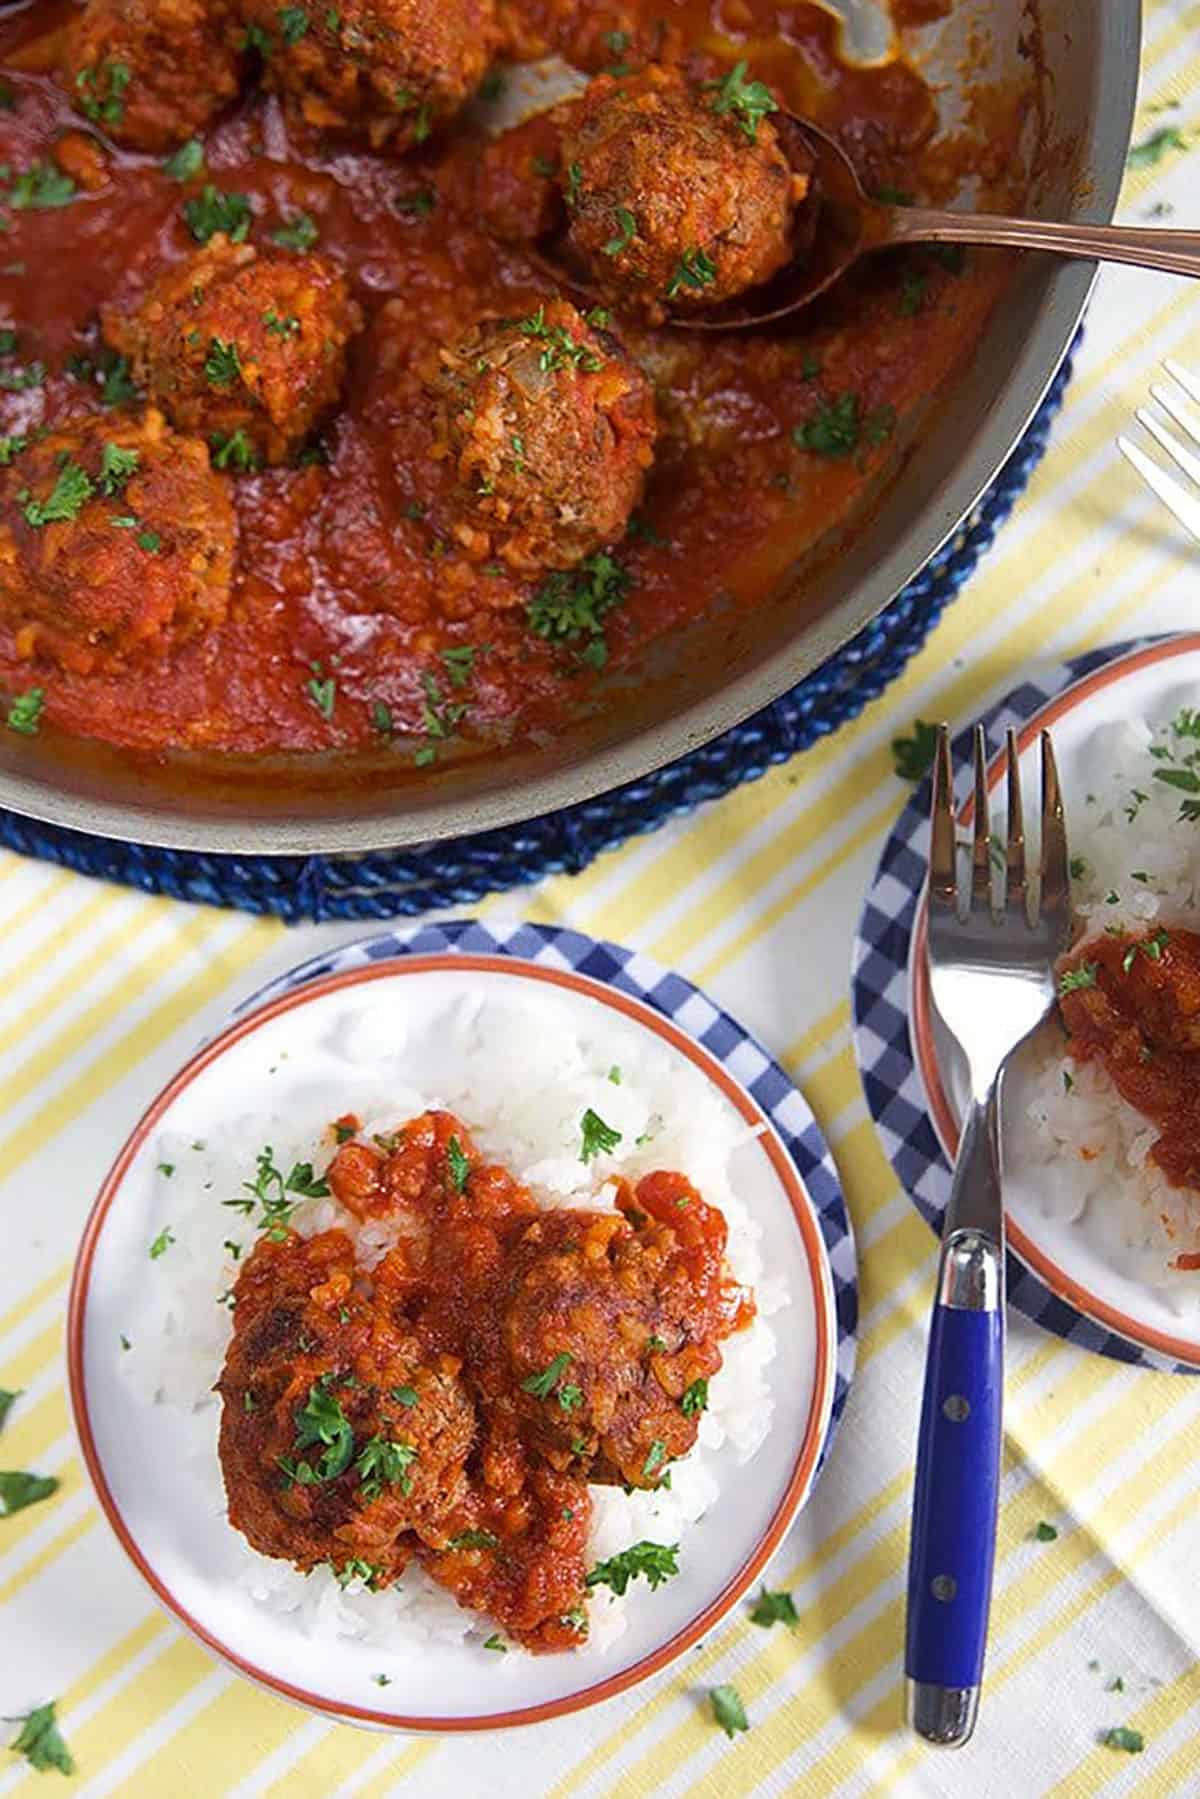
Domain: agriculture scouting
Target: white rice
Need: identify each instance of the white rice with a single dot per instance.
(525, 1114)
(1136, 865)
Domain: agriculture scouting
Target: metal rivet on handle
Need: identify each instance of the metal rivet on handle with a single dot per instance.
(956, 1407)
(943, 1587)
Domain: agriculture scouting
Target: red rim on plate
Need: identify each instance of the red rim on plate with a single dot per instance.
(810, 1446)
(945, 1119)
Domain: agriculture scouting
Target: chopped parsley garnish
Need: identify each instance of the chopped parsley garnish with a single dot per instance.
(695, 1399)
(655, 1457)
(573, 603)
(913, 756)
(116, 467)
(460, 663)
(543, 1384)
(541, 165)
(561, 349)
(162, 1243)
(695, 269)
(213, 210)
(8, 341)
(381, 718)
(404, 100)
(19, 381)
(322, 691)
(233, 451)
(1045, 1533)
(458, 1164)
(283, 325)
(474, 1539)
(66, 499)
(625, 232)
(187, 162)
(652, 1562)
(10, 447)
(8, 1400)
(116, 388)
(1152, 149)
(150, 541)
(418, 205)
(167, 1169)
(405, 1396)
(357, 1569)
(382, 1680)
(101, 92)
(1075, 979)
(19, 1489)
(40, 187)
(574, 185)
(40, 1741)
(25, 711)
(438, 716)
(269, 1190)
(653, 1343)
(382, 1463)
(293, 23)
(1078, 868)
(596, 1137)
(748, 102)
(833, 430)
(570, 1398)
(728, 1710)
(223, 364)
(299, 233)
(320, 1420)
(496, 1642)
(1121, 1737)
(1152, 949)
(774, 1608)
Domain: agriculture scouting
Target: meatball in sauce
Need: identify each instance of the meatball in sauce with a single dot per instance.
(450, 1403)
(151, 72)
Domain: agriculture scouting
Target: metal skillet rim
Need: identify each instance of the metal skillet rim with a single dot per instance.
(390, 826)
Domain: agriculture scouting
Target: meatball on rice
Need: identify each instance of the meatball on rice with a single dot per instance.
(116, 540)
(672, 203)
(389, 71)
(551, 430)
(150, 73)
(235, 340)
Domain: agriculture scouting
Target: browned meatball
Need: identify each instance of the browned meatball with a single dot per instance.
(674, 198)
(612, 1323)
(237, 342)
(337, 1428)
(151, 72)
(551, 429)
(116, 539)
(389, 71)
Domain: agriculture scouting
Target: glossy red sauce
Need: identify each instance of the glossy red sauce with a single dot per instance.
(344, 571)
(1137, 1013)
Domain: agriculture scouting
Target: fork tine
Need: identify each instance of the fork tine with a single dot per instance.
(1178, 452)
(1056, 873)
(1177, 409)
(1185, 378)
(943, 875)
(1175, 497)
(981, 848)
(1015, 850)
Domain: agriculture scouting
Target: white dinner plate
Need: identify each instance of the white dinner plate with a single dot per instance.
(153, 1466)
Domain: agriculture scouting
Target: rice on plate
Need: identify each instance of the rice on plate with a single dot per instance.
(1070, 1135)
(520, 1075)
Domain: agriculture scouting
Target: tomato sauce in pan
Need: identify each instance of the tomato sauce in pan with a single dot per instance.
(348, 590)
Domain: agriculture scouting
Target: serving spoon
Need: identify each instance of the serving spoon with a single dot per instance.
(850, 224)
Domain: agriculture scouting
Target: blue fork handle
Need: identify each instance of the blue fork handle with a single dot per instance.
(957, 1485)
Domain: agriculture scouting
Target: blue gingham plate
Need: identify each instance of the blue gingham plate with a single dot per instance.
(637, 975)
(892, 1080)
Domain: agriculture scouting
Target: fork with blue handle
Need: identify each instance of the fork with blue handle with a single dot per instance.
(992, 951)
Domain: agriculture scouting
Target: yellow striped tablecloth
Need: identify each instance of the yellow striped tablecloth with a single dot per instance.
(104, 992)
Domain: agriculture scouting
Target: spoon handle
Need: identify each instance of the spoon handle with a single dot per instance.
(1177, 252)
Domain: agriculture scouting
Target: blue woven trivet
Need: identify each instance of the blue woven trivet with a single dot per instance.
(460, 873)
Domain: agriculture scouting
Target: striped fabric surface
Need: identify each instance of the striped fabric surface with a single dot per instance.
(104, 992)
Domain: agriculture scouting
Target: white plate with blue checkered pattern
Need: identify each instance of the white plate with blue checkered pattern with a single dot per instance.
(785, 1178)
(896, 1092)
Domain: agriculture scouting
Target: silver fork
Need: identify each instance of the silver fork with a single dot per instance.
(991, 965)
(1173, 494)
